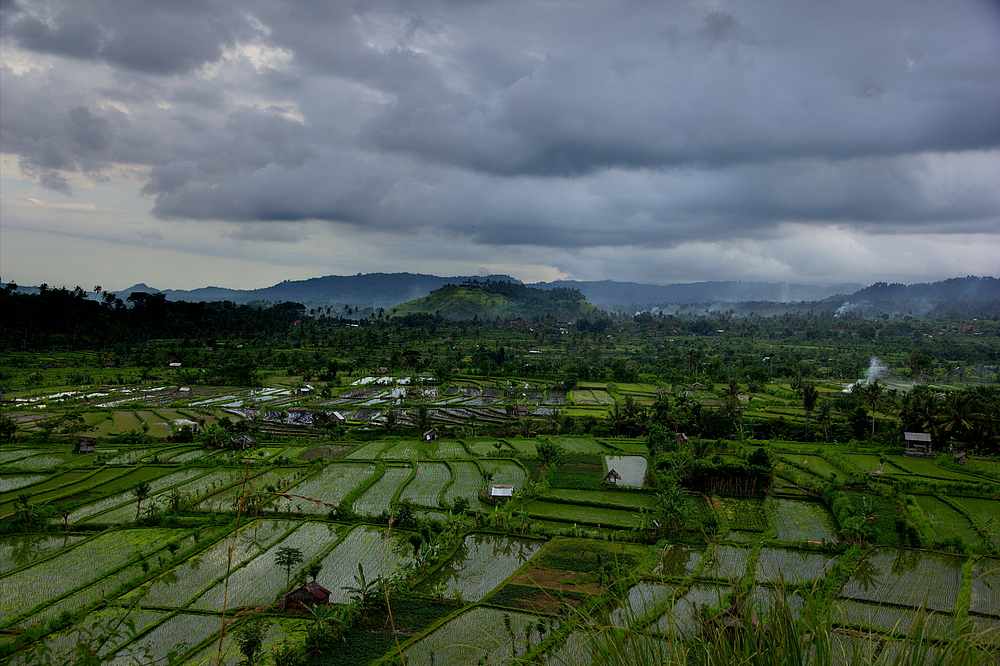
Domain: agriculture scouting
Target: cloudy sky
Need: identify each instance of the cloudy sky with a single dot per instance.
(186, 143)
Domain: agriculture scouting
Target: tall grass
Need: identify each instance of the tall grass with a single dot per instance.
(785, 634)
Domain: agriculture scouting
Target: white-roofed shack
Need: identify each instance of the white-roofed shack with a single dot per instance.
(502, 491)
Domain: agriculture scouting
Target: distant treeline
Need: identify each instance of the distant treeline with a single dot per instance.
(524, 293)
(71, 318)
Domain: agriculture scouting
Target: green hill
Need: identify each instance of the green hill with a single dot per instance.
(507, 300)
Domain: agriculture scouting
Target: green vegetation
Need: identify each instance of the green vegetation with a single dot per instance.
(492, 299)
(361, 455)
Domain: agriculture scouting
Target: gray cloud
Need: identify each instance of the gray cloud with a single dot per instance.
(149, 36)
(612, 125)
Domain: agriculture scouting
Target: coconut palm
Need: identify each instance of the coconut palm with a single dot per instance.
(809, 397)
(959, 415)
(872, 394)
(824, 414)
(141, 492)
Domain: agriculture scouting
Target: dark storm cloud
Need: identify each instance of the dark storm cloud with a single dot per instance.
(150, 36)
(675, 90)
(558, 124)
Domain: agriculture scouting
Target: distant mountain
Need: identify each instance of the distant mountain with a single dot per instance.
(362, 290)
(506, 300)
(969, 288)
(386, 290)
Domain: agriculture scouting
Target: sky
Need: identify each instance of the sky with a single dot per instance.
(188, 143)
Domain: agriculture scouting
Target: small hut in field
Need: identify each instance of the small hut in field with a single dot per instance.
(918, 444)
(310, 594)
(85, 445)
(502, 491)
(613, 476)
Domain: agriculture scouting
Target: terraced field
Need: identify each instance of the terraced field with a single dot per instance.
(429, 479)
(377, 498)
(332, 484)
(501, 594)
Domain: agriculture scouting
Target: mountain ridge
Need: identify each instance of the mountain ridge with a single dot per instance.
(387, 290)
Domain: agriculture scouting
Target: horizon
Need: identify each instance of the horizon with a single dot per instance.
(159, 288)
(240, 145)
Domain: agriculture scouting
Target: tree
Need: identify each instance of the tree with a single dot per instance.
(28, 513)
(287, 557)
(872, 394)
(313, 570)
(423, 418)
(809, 397)
(391, 419)
(141, 492)
(214, 436)
(250, 639)
(659, 438)
(8, 429)
(959, 415)
(823, 416)
(548, 453)
(674, 508)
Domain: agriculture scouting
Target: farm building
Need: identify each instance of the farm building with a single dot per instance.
(501, 492)
(613, 476)
(310, 594)
(431, 435)
(918, 444)
(85, 445)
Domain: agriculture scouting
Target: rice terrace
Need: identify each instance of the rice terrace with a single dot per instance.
(234, 484)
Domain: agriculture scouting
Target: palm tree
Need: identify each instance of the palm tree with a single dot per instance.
(423, 418)
(141, 492)
(809, 397)
(959, 414)
(616, 418)
(390, 421)
(919, 410)
(823, 417)
(872, 394)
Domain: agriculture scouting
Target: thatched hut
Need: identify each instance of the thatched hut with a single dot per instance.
(310, 594)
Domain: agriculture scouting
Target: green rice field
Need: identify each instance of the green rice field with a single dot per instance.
(797, 520)
(484, 562)
(907, 578)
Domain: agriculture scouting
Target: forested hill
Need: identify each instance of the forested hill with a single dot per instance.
(970, 288)
(495, 298)
(372, 290)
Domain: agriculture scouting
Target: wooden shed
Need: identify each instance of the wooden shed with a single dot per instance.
(613, 476)
(918, 444)
(85, 445)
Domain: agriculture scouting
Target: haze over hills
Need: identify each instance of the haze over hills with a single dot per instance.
(388, 290)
